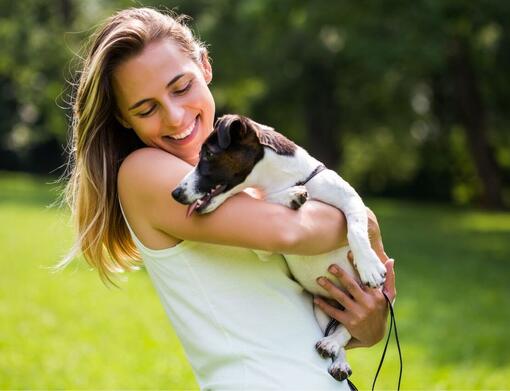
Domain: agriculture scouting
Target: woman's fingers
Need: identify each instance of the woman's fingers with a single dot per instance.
(335, 292)
(347, 281)
(389, 284)
(331, 311)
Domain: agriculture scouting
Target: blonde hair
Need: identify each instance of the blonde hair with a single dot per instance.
(99, 142)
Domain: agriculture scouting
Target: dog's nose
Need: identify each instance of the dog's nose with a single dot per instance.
(178, 195)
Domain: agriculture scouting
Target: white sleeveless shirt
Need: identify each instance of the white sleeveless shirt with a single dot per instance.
(244, 324)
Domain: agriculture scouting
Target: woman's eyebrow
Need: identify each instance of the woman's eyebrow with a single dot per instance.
(141, 102)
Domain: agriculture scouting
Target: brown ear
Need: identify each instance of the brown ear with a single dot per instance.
(264, 134)
(222, 127)
(269, 138)
(230, 126)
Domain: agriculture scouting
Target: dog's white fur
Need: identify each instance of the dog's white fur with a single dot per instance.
(277, 175)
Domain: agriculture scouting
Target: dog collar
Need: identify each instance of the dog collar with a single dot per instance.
(317, 169)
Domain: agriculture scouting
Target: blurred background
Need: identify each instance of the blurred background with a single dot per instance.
(408, 101)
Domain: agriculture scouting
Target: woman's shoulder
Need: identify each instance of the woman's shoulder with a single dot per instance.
(145, 180)
(149, 167)
(144, 183)
(146, 158)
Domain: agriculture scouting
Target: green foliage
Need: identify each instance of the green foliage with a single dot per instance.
(68, 331)
(338, 77)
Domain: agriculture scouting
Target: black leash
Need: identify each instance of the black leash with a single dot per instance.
(333, 323)
(393, 324)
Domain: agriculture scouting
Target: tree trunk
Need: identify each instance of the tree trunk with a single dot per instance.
(321, 116)
(67, 11)
(471, 114)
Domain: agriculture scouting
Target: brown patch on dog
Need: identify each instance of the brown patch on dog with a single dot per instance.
(276, 141)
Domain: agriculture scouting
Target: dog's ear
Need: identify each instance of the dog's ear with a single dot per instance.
(230, 126)
(223, 129)
(274, 140)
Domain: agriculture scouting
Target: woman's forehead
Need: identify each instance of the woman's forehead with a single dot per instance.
(151, 70)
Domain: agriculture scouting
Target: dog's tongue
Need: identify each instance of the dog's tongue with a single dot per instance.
(192, 208)
(204, 201)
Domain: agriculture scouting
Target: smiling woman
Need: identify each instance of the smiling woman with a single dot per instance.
(174, 115)
(141, 113)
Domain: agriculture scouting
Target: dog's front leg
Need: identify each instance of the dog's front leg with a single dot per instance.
(329, 187)
(372, 272)
(293, 197)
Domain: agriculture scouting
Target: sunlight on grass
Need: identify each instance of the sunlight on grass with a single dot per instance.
(67, 330)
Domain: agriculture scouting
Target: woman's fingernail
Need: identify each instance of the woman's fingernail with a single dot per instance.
(333, 269)
(321, 281)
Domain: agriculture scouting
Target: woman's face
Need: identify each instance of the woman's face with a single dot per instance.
(162, 94)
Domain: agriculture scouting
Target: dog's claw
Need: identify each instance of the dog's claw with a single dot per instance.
(340, 371)
(327, 347)
(299, 196)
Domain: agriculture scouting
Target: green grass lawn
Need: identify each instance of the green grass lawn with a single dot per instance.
(66, 330)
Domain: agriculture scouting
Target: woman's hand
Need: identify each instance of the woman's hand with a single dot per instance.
(365, 310)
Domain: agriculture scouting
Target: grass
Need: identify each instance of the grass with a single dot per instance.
(66, 330)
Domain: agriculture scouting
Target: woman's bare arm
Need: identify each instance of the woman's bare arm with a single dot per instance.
(148, 176)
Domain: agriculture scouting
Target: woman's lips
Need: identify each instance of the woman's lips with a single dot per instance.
(188, 138)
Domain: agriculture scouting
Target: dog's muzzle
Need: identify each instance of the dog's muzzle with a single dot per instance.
(199, 204)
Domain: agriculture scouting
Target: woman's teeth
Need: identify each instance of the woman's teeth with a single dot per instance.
(186, 132)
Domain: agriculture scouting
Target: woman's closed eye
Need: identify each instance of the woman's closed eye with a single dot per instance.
(147, 112)
(184, 89)
(181, 91)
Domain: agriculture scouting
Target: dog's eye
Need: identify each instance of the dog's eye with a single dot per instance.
(207, 154)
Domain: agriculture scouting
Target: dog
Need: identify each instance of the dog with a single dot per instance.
(242, 153)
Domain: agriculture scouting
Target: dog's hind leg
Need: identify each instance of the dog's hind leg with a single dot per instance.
(333, 346)
(329, 346)
(340, 368)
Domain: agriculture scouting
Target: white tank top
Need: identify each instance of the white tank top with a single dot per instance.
(244, 324)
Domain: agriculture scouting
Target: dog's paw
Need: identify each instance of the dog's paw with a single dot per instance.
(297, 197)
(340, 370)
(293, 197)
(328, 347)
(371, 271)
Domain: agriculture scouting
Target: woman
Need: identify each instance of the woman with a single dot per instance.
(141, 112)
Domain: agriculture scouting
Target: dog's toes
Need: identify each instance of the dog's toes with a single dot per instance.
(328, 347)
(373, 274)
(340, 371)
(295, 205)
(303, 197)
(299, 196)
(323, 352)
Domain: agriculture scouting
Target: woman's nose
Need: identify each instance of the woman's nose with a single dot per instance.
(174, 114)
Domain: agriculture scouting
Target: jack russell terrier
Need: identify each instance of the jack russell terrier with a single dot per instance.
(241, 153)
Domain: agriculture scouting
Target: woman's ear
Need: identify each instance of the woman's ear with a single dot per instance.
(206, 66)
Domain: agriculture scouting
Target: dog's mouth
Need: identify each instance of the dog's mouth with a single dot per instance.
(200, 204)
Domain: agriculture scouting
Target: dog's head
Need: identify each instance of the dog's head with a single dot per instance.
(227, 157)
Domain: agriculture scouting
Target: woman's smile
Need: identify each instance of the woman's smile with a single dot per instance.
(187, 135)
